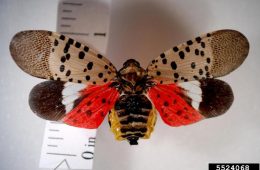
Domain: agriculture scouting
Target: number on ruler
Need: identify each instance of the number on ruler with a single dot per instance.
(89, 154)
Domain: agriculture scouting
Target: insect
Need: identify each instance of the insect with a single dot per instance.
(83, 86)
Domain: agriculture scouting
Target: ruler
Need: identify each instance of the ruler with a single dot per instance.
(67, 147)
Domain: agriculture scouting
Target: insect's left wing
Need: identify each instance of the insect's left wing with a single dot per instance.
(48, 55)
(190, 103)
(74, 104)
(208, 56)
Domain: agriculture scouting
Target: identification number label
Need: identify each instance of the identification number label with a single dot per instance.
(233, 166)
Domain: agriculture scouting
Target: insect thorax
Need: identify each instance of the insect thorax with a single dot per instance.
(132, 78)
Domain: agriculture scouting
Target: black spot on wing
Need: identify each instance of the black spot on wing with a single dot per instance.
(175, 49)
(200, 71)
(202, 53)
(63, 59)
(62, 37)
(70, 41)
(166, 104)
(100, 75)
(187, 49)
(87, 77)
(203, 45)
(67, 56)
(193, 65)
(68, 73)
(197, 51)
(181, 54)
(56, 42)
(90, 65)
(206, 68)
(176, 75)
(66, 48)
(162, 55)
(173, 65)
(77, 45)
(62, 68)
(208, 60)
(198, 39)
(81, 55)
(99, 56)
(189, 42)
(86, 49)
(164, 61)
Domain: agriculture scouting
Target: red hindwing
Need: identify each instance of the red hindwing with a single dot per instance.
(173, 105)
(92, 106)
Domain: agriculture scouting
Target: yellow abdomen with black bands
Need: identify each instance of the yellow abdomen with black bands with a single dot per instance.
(133, 117)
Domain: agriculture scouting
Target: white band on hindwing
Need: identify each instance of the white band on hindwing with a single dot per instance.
(194, 92)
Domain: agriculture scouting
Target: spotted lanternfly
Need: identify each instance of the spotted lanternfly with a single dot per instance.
(133, 94)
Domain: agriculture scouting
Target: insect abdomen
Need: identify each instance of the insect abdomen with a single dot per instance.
(132, 118)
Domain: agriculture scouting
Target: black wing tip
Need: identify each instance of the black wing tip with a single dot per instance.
(217, 97)
(45, 100)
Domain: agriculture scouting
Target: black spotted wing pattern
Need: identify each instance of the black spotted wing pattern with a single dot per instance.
(52, 56)
(208, 56)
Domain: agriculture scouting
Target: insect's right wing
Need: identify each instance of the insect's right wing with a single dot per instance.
(208, 56)
(187, 103)
(74, 104)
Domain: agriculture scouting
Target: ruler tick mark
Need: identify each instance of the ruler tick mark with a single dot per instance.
(66, 10)
(61, 154)
(56, 138)
(65, 25)
(99, 34)
(75, 33)
(72, 3)
(56, 123)
(54, 130)
(68, 18)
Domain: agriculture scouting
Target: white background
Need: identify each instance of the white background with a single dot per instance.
(140, 30)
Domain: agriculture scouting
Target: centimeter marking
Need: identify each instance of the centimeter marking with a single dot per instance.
(55, 138)
(72, 3)
(63, 154)
(65, 146)
(66, 10)
(68, 19)
(74, 33)
(54, 130)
